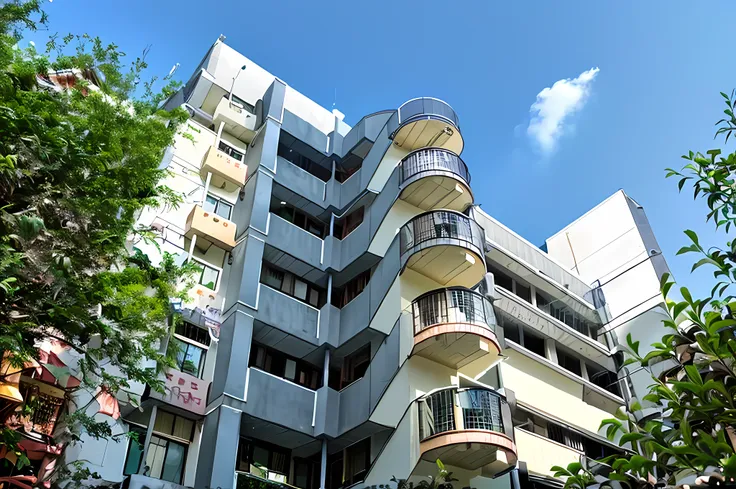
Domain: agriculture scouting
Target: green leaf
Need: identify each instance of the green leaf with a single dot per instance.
(693, 237)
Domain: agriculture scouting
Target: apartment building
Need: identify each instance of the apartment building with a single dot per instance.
(357, 316)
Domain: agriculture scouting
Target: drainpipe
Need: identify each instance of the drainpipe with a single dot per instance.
(329, 286)
(149, 432)
(323, 466)
(206, 187)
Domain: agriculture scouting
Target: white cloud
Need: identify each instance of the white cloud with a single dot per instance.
(554, 105)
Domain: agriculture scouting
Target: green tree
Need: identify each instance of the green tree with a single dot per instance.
(684, 429)
(76, 168)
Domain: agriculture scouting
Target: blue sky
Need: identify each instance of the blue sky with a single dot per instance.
(655, 96)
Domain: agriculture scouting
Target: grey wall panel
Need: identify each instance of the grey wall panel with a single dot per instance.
(233, 352)
(355, 316)
(280, 402)
(304, 131)
(384, 365)
(301, 182)
(273, 100)
(329, 325)
(247, 289)
(244, 207)
(267, 145)
(384, 275)
(328, 409)
(287, 314)
(354, 405)
(218, 452)
(295, 241)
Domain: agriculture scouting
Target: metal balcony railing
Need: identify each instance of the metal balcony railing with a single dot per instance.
(453, 305)
(436, 225)
(433, 161)
(427, 108)
(460, 409)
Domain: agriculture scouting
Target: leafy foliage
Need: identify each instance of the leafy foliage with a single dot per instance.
(77, 166)
(683, 429)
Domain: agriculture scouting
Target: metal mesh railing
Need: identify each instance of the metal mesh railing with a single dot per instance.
(433, 159)
(454, 305)
(437, 413)
(440, 224)
(427, 107)
(481, 410)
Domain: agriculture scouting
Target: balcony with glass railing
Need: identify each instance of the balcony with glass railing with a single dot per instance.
(227, 172)
(435, 178)
(467, 428)
(428, 122)
(454, 327)
(445, 246)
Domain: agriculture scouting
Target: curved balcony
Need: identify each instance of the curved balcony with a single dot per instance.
(467, 428)
(445, 246)
(434, 178)
(454, 327)
(425, 122)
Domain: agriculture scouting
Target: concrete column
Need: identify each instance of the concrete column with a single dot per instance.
(233, 354)
(219, 449)
(149, 432)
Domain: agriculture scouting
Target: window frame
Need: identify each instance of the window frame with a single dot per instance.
(206, 265)
(218, 201)
(229, 150)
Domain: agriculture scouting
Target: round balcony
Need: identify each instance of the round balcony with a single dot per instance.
(454, 327)
(435, 178)
(444, 246)
(467, 428)
(428, 122)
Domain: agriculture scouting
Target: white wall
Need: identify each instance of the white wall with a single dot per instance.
(613, 243)
(253, 82)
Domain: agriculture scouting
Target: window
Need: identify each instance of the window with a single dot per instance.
(501, 279)
(569, 362)
(167, 451)
(357, 461)
(511, 332)
(135, 452)
(286, 367)
(193, 332)
(524, 291)
(351, 290)
(242, 103)
(355, 365)
(209, 276)
(298, 218)
(306, 473)
(217, 206)
(189, 358)
(263, 459)
(603, 378)
(230, 151)
(534, 343)
(562, 434)
(293, 286)
(165, 459)
(346, 225)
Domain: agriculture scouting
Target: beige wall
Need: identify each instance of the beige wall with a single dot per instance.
(549, 391)
(399, 214)
(390, 160)
(541, 454)
(401, 452)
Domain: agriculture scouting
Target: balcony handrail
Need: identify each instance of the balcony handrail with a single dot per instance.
(439, 224)
(456, 409)
(454, 120)
(301, 229)
(310, 306)
(452, 305)
(428, 159)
